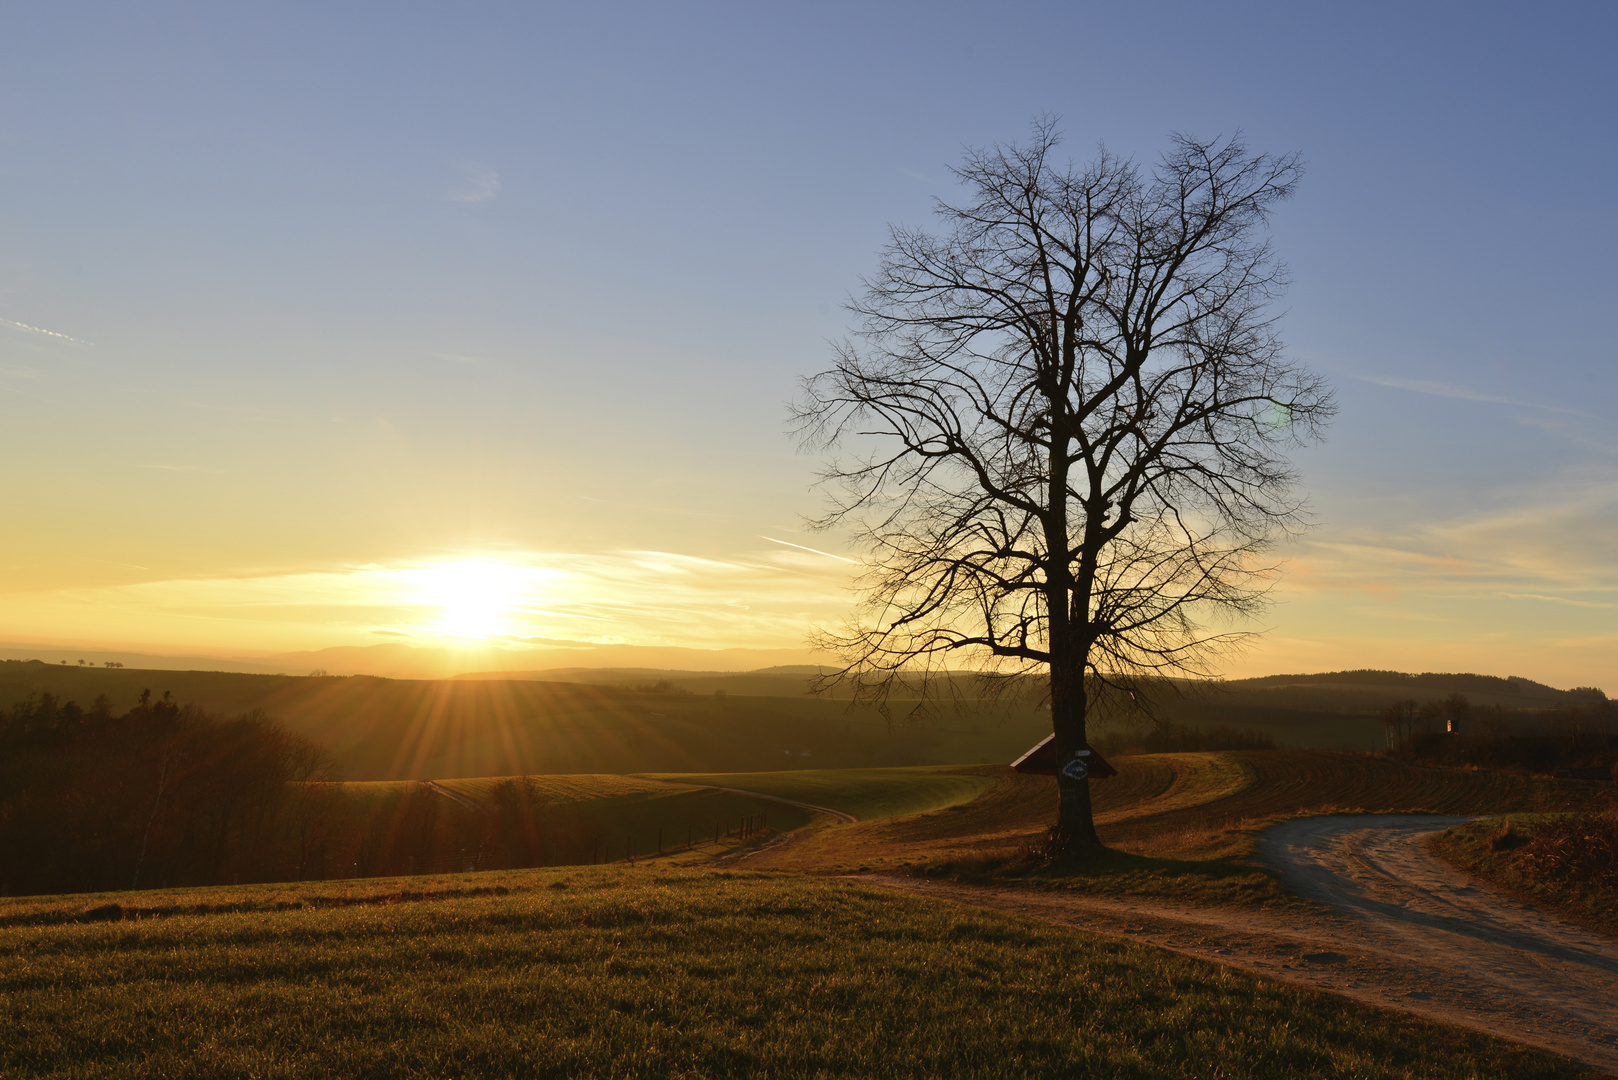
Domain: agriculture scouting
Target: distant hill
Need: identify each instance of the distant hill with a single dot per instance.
(403, 729)
(646, 719)
(1426, 682)
(414, 661)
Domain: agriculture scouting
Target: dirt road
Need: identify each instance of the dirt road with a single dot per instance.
(1397, 928)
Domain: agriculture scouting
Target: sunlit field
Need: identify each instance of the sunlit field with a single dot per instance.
(644, 972)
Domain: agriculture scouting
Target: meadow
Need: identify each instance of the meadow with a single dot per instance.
(757, 955)
(572, 819)
(646, 971)
(866, 794)
(1178, 826)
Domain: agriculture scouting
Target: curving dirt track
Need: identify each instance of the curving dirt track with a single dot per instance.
(1285, 783)
(1395, 927)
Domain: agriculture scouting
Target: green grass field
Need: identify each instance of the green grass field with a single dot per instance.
(640, 972)
(587, 818)
(868, 794)
(569, 787)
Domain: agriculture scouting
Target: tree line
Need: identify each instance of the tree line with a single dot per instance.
(1577, 734)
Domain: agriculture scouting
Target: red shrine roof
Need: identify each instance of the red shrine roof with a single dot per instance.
(1040, 760)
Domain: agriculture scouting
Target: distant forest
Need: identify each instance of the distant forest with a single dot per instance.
(170, 795)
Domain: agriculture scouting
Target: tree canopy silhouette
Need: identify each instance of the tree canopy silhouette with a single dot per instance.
(1061, 432)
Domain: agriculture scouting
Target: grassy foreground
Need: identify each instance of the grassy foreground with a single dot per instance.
(650, 972)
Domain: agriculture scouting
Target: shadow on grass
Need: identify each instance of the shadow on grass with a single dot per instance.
(1112, 873)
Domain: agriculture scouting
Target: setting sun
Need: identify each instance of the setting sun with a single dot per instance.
(474, 598)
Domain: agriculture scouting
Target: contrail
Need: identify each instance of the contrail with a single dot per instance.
(800, 547)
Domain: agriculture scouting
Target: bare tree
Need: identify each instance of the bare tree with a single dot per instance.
(1061, 435)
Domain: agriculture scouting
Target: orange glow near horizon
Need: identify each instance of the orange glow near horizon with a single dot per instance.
(1488, 608)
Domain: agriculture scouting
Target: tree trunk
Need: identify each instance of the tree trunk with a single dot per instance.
(1075, 832)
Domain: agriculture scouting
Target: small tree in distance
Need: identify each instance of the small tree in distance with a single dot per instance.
(1061, 441)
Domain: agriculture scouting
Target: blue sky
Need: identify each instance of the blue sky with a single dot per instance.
(302, 293)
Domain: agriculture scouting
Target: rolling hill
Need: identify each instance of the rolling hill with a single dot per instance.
(650, 720)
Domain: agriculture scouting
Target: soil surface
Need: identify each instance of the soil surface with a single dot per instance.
(1395, 927)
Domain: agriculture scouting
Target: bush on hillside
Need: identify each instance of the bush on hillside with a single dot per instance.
(1578, 852)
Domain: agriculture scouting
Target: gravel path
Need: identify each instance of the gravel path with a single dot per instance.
(1397, 928)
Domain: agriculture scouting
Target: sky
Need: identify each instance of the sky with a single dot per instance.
(339, 324)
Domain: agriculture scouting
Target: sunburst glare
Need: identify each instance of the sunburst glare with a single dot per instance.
(475, 598)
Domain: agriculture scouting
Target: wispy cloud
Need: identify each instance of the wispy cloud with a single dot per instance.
(1557, 600)
(1549, 542)
(480, 186)
(1459, 393)
(40, 330)
(1562, 429)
